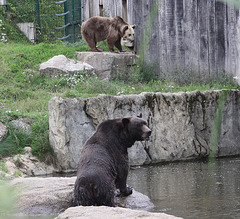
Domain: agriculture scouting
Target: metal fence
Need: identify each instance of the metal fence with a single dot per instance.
(72, 19)
(53, 19)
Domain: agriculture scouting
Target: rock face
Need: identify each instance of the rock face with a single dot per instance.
(50, 196)
(104, 212)
(25, 165)
(107, 64)
(181, 124)
(3, 131)
(60, 65)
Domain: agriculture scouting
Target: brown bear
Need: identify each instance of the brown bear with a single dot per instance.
(103, 165)
(97, 29)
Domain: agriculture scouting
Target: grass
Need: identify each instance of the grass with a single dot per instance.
(25, 94)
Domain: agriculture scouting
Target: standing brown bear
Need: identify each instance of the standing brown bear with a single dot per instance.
(104, 164)
(97, 29)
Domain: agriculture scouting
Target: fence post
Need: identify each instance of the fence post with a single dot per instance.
(66, 19)
(73, 21)
(38, 25)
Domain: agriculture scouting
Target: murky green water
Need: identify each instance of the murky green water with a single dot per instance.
(192, 189)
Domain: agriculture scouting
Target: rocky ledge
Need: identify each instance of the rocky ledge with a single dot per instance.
(104, 212)
(51, 196)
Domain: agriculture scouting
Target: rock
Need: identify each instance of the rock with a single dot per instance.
(64, 136)
(60, 65)
(107, 64)
(181, 124)
(3, 131)
(26, 165)
(22, 125)
(52, 195)
(43, 196)
(104, 212)
(135, 201)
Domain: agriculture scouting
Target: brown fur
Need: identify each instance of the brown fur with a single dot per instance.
(97, 29)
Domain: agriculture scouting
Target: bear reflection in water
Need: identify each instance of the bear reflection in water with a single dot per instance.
(104, 164)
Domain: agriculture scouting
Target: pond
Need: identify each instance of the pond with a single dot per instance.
(196, 189)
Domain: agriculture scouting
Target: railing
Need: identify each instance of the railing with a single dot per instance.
(72, 20)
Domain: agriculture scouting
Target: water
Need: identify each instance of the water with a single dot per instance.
(195, 189)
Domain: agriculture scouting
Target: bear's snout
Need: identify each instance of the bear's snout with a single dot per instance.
(146, 133)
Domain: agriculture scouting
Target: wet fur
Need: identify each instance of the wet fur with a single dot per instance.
(104, 164)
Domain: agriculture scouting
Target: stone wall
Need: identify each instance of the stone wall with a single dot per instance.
(181, 124)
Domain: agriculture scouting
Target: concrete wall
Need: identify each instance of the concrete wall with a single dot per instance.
(188, 35)
(29, 30)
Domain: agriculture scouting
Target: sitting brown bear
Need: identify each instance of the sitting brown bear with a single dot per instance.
(103, 165)
(97, 29)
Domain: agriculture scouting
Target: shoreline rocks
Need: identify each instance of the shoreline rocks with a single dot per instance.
(24, 165)
(52, 195)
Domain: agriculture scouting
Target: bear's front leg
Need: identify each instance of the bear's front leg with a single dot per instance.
(118, 45)
(121, 184)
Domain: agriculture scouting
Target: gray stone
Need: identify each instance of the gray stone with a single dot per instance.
(181, 124)
(43, 196)
(22, 125)
(3, 131)
(52, 195)
(104, 212)
(61, 65)
(107, 64)
(25, 165)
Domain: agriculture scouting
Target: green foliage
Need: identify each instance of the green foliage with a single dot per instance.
(9, 30)
(40, 140)
(27, 11)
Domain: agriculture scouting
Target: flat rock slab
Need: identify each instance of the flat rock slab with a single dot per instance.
(104, 212)
(51, 196)
(61, 65)
(107, 64)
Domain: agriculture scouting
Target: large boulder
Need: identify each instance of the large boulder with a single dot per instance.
(52, 195)
(181, 124)
(108, 64)
(61, 65)
(104, 212)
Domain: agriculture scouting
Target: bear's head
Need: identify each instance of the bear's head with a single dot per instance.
(128, 33)
(136, 128)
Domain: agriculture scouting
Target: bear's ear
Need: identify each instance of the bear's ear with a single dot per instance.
(124, 29)
(125, 121)
(140, 115)
(133, 26)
